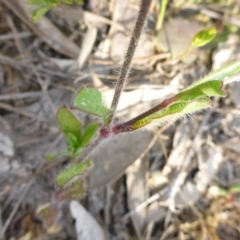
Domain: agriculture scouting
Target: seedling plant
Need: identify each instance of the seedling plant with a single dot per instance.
(83, 140)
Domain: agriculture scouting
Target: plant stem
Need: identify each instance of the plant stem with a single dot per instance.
(126, 126)
(161, 14)
(91, 147)
(124, 72)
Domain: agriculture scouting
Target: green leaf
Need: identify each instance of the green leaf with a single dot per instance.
(73, 172)
(211, 89)
(73, 142)
(39, 12)
(203, 37)
(90, 101)
(45, 3)
(173, 112)
(68, 123)
(89, 133)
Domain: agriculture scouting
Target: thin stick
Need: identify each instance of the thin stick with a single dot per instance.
(91, 148)
(124, 72)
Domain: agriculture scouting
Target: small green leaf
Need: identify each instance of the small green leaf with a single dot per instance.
(90, 101)
(39, 12)
(44, 2)
(89, 133)
(69, 123)
(211, 89)
(73, 172)
(73, 142)
(203, 37)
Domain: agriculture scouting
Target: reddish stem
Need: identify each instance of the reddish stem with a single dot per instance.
(127, 126)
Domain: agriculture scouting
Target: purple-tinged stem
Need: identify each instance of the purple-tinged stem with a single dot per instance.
(105, 132)
(127, 126)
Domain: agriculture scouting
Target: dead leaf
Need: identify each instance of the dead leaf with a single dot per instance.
(87, 45)
(118, 154)
(86, 226)
(123, 150)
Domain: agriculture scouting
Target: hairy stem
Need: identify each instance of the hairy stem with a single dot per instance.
(126, 127)
(124, 72)
(91, 147)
